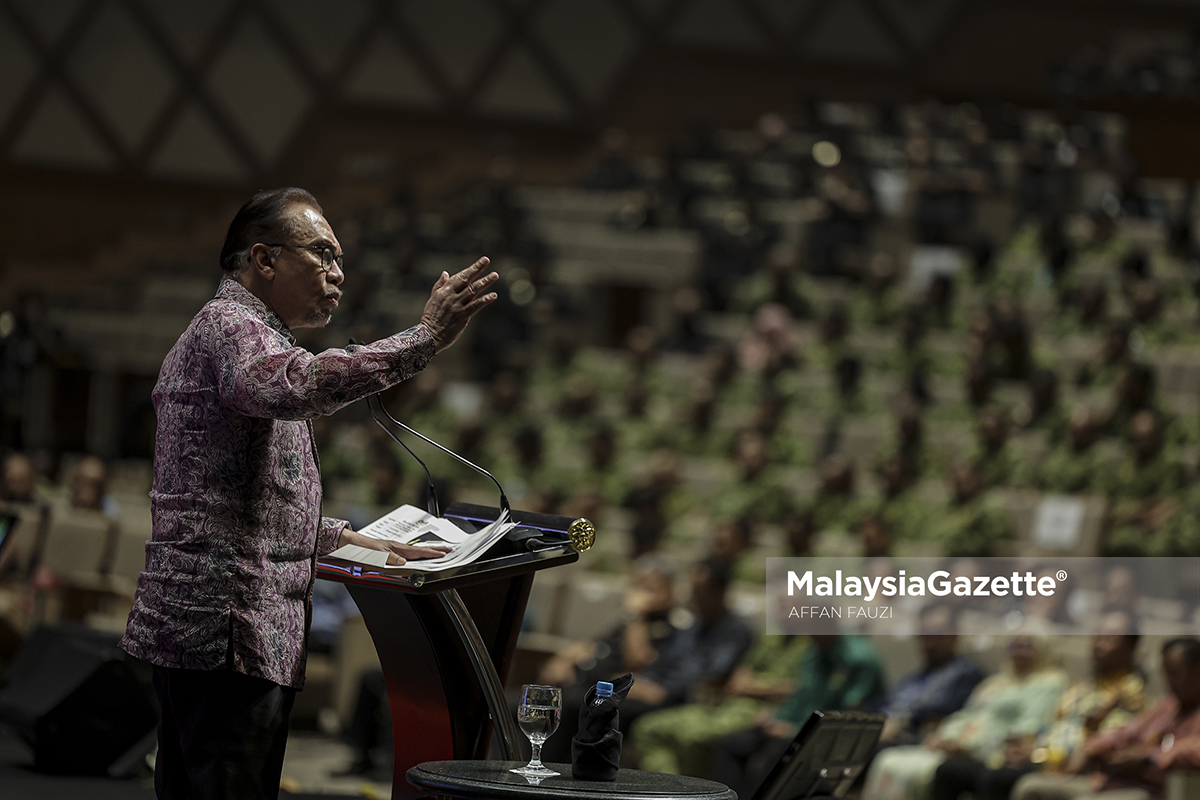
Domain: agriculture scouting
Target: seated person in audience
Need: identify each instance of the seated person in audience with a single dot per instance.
(1146, 304)
(1044, 411)
(1084, 307)
(731, 540)
(89, 487)
(19, 492)
(875, 536)
(1144, 491)
(835, 505)
(634, 643)
(757, 491)
(971, 524)
(994, 459)
(1131, 762)
(921, 700)
(879, 304)
(939, 302)
(899, 506)
(20, 481)
(836, 672)
(505, 407)
(699, 657)
(848, 399)
(777, 281)
(677, 740)
(908, 442)
(1012, 704)
(1135, 392)
(383, 489)
(600, 473)
(526, 472)
(1114, 694)
(1149, 469)
(1011, 352)
(979, 380)
(1045, 614)
(695, 435)
(1112, 362)
(771, 345)
(1071, 467)
(783, 445)
(911, 358)
(798, 531)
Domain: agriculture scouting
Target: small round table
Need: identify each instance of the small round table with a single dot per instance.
(491, 780)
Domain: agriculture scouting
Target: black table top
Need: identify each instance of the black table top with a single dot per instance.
(481, 780)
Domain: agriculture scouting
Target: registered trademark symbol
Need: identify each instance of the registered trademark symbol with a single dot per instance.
(1062, 575)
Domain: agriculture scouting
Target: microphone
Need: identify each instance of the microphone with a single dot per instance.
(431, 500)
(504, 506)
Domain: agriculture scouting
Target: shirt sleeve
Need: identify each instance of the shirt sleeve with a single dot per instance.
(259, 374)
(947, 695)
(329, 534)
(1184, 754)
(1104, 743)
(864, 682)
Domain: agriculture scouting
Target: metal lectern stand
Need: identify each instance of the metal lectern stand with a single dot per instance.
(445, 642)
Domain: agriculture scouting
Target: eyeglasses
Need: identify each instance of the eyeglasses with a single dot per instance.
(328, 259)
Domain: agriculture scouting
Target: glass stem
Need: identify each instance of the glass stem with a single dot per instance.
(536, 761)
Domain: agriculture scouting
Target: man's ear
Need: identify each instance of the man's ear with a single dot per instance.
(262, 261)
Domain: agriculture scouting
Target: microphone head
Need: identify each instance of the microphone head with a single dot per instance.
(582, 534)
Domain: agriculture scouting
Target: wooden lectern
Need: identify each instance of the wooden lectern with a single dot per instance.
(446, 639)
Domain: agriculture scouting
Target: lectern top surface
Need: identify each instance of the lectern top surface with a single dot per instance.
(478, 780)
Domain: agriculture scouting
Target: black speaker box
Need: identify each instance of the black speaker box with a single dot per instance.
(79, 702)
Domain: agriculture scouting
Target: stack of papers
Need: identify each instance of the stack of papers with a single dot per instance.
(411, 525)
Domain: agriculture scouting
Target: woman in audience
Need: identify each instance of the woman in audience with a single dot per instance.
(1010, 705)
(1111, 697)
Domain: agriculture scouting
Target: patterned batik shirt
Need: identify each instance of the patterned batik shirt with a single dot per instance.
(237, 490)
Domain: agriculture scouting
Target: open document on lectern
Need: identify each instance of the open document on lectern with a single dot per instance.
(411, 525)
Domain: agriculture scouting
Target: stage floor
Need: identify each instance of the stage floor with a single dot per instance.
(307, 772)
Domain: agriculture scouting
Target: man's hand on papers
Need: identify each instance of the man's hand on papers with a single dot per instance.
(399, 554)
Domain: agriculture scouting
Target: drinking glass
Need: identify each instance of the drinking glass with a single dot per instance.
(538, 715)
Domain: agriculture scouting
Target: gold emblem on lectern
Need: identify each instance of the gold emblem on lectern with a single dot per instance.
(582, 533)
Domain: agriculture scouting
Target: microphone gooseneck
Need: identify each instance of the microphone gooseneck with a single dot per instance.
(504, 505)
(431, 499)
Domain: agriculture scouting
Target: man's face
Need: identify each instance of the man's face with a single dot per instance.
(303, 294)
(1112, 648)
(936, 636)
(18, 478)
(1182, 678)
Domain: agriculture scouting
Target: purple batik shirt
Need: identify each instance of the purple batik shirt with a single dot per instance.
(237, 490)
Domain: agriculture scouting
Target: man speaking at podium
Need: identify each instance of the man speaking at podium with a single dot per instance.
(223, 606)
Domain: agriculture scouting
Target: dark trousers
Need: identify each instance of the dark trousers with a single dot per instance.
(743, 760)
(222, 735)
(959, 774)
(370, 726)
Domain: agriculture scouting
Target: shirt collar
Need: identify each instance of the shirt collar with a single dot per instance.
(230, 289)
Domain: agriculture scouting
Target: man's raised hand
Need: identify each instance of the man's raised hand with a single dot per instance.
(455, 299)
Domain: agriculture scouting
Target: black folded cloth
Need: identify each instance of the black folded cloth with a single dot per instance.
(596, 748)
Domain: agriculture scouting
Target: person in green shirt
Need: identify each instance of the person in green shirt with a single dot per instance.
(757, 491)
(971, 524)
(994, 460)
(1071, 467)
(836, 672)
(677, 740)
